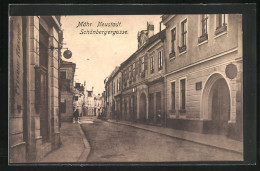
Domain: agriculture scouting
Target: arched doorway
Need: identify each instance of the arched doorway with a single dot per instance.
(216, 104)
(142, 109)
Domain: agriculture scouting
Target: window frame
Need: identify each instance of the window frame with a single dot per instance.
(184, 33)
(61, 74)
(181, 109)
(152, 64)
(221, 29)
(173, 40)
(160, 59)
(173, 109)
(142, 64)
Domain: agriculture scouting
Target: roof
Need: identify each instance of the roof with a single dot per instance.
(67, 63)
(159, 35)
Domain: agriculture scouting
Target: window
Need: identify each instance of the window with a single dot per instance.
(221, 25)
(173, 35)
(204, 28)
(160, 60)
(76, 98)
(184, 32)
(173, 95)
(182, 96)
(133, 74)
(220, 20)
(125, 78)
(63, 74)
(152, 64)
(142, 66)
(117, 85)
(204, 19)
(130, 72)
(113, 88)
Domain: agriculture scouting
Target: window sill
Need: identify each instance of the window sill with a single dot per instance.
(172, 111)
(172, 58)
(182, 53)
(203, 38)
(182, 111)
(221, 31)
(182, 49)
(204, 42)
(172, 55)
(220, 34)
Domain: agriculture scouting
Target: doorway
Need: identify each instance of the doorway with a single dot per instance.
(142, 108)
(220, 107)
(43, 79)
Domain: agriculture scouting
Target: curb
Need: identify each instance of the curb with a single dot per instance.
(85, 153)
(209, 145)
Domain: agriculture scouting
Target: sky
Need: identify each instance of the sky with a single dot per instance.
(96, 55)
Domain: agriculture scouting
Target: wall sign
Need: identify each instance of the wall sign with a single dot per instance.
(198, 85)
(231, 71)
(17, 64)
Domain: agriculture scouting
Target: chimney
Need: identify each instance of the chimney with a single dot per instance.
(150, 29)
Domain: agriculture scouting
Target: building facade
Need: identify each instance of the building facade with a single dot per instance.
(188, 76)
(111, 86)
(67, 71)
(204, 73)
(139, 78)
(79, 98)
(34, 120)
(142, 76)
(94, 104)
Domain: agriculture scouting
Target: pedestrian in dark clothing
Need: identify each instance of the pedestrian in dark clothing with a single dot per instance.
(76, 116)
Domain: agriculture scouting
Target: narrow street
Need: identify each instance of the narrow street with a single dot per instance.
(112, 142)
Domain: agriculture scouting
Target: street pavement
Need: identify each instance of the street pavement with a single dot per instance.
(74, 147)
(112, 142)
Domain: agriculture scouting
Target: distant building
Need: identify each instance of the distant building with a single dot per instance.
(78, 99)
(94, 104)
(67, 71)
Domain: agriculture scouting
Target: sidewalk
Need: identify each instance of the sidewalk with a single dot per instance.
(217, 141)
(74, 147)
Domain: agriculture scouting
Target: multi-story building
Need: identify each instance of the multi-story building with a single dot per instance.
(94, 104)
(190, 73)
(111, 91)
(204, 73)
(142, 75)
(67, 71)
(79, 98)
(34, 128)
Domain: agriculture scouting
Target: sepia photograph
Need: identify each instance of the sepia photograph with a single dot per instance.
(126, 88)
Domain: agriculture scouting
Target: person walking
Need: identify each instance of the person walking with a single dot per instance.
(76, 116)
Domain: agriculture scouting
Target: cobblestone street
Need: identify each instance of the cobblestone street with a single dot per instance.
(118, 143)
